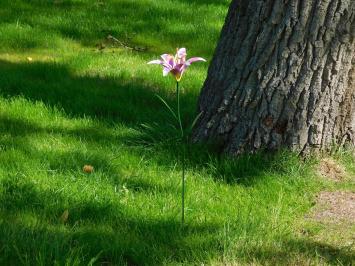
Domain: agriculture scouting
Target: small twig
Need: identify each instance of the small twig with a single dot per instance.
(112, 38)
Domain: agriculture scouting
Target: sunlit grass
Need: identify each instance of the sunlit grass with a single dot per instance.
(74, 104)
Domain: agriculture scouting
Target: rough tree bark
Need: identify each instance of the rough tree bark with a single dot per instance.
(282, 76)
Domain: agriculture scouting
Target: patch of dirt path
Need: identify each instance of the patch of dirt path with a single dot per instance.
(331, 170)
(334, 212)
(335, 207)
(332, 218)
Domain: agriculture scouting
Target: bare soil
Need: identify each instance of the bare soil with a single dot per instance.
(334, 207)
(331, 170)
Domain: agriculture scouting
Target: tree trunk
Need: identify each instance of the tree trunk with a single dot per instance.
(282, 76)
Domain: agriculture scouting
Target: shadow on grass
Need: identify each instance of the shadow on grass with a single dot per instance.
(19, 195)
(129, 103)
(115, 100)
(141, 23)
(148, 243)
(30, 225)
(122, 234)
(299, 251)
(117, 234)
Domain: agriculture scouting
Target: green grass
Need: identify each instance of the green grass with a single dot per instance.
(74, 104)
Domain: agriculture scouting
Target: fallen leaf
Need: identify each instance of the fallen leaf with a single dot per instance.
(64, 217)
(88, 168)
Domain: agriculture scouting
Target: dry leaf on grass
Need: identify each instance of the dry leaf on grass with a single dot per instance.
(88, 169)
(64, 217)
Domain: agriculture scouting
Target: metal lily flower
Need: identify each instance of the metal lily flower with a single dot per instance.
(176, 65)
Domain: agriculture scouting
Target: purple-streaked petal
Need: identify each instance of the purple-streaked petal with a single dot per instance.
(166, 71)
(165, 56)
(155, 62)
(168, 59)
(183, 68)
(180, 56)
(194, 59)
(172, 62)
(181, 53)
(179, 67)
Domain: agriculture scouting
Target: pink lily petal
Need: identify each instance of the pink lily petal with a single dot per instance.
(194, 59)
(180, 57)
(166, 71)
(181, 53)
(155, 62)
(179, 67)
(168, 61)
(184, 67)
(176, 65)
(166, 57)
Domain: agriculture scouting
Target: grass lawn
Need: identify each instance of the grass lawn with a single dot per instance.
(69, 96)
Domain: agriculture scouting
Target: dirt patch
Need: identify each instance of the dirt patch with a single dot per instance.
(331, 170)
(335, 207)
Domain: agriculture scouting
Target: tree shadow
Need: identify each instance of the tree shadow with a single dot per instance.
(301, 250)
(131, 237)
(111, 229)
(91, 22)
(21, 196)
(112, 101)
(72, 161)
(118, 234)
(166, 241)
